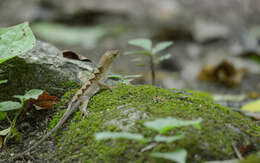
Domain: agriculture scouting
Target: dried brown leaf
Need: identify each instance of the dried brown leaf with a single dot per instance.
(44, 101)
(224, 72)
(73, 55)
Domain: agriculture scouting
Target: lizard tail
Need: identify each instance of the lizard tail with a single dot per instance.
(57, 126)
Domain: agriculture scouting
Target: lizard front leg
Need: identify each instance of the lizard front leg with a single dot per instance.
(102, 85)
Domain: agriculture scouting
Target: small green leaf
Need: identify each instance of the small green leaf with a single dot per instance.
(119, 135)
(178, 155)
(161, 46)
(9, 105)
(142, 42)
(138, 53)
(139, 62)
(5, 131)
(15, 40)
(34, 94)
(3, 81)
(2, 115)
(166, 124)
(132, 76)
(163, 57)
(114, 76)
(168, 139)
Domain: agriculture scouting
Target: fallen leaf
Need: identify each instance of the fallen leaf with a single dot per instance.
(73, 55)
(252, 106)
(246, 149)
(44, 101)
(224, 72)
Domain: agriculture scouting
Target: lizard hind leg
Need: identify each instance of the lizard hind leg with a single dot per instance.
(83, 108)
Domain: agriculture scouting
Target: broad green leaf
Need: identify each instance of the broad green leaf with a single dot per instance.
(138, 53)
(3, 81)
(119, 135)
(2, 115)
(5, 131)
(165, 124)
(161, 46)
(142, 42)
(34, 94)
(9, 105)
(168, 139)
(163, 57)
(178, 155)
(15, 40)
(70, 35)
(252, 106)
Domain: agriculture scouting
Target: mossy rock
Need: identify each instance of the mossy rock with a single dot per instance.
(127, 107)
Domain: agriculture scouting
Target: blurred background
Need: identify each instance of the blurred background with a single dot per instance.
(216, 43)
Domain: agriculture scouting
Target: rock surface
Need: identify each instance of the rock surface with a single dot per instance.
(43, 67)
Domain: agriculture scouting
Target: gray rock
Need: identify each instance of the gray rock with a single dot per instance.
(43, 67)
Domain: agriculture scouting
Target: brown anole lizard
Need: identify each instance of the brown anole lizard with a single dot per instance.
(82, 97)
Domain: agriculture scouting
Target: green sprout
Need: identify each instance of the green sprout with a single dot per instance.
(6, 106)
(151, 52)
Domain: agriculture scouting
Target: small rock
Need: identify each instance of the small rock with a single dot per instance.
(204, 31)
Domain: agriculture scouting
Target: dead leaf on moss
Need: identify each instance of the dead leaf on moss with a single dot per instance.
(44, 101)
(246, 149)
(73, 55)
(224, 72)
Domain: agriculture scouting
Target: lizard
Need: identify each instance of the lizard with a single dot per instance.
(83, 95)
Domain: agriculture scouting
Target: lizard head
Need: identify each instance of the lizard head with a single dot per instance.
(108, 58)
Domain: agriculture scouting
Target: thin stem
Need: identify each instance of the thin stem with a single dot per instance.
(152, 69)
(13, 124)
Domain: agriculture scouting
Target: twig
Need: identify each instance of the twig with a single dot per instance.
(238, 154)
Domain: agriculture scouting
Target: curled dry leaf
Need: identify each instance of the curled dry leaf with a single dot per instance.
(73, 55)
(247, 149)
(44, 101)
(224, 72)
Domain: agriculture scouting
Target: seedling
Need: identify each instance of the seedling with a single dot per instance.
(10, 106)
(162, 126)
(151, 52)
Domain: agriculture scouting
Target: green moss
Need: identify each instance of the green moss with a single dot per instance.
(70, 84)
(127, 107)
(253, 158)
(63, 103)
